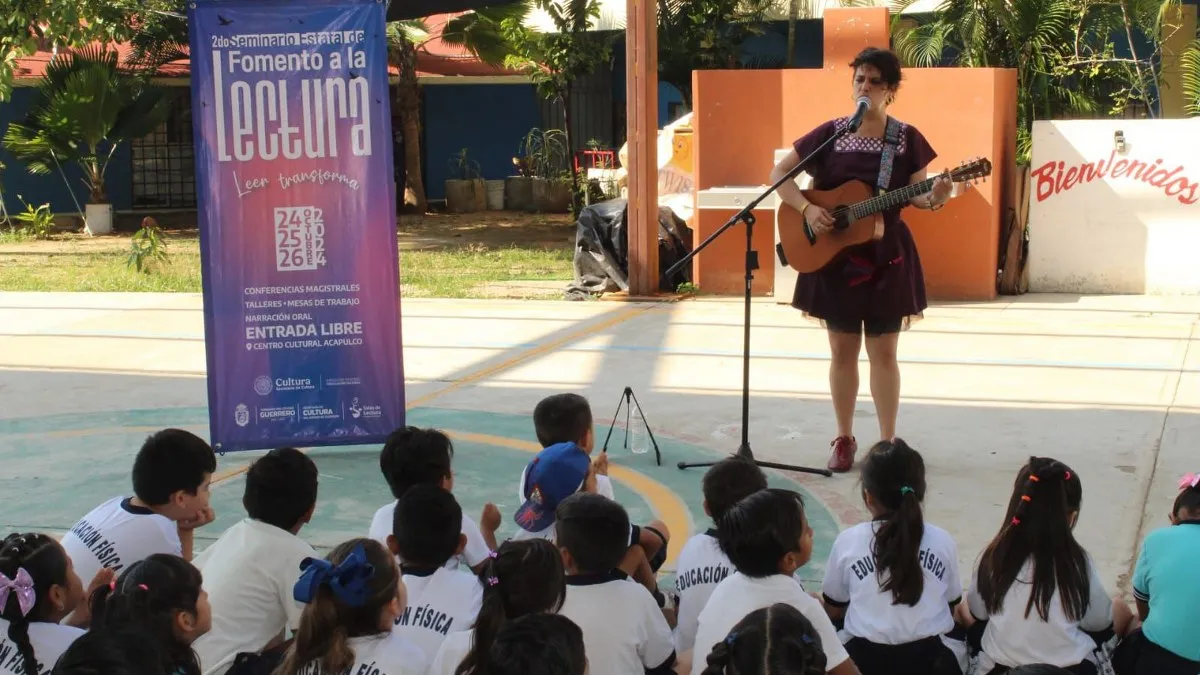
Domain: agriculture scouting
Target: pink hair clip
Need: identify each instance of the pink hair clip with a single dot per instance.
(492, 581)
(1190, 480)
(492, 554)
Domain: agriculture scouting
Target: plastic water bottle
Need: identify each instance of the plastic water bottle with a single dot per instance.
(638, 442)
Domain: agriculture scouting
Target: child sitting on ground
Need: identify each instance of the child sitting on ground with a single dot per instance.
(775, 640)
(1166, 588)
(171, 474)
(701, 564)
(250, 571)
(427, 532)
(624, 631)
(539, 644)
(352, 600)
(123, 651)
(38, 588)
(163, 597)
(524, 577)
(413, 456)
(1036, 592)
(767, 538)
(566, 420)
(895, 578)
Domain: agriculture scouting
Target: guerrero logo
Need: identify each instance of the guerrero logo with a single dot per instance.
(263, 385)
(241, 415)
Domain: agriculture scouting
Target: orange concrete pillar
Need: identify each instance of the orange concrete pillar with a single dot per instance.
(641, 109)
(848, 31)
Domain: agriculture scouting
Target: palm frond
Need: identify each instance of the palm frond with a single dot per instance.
(1189, 68)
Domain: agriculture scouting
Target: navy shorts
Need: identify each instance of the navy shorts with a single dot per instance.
(872, 327)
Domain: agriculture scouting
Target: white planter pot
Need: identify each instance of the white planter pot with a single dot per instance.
(98, 218)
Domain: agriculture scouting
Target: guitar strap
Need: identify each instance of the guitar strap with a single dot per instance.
(887, 159)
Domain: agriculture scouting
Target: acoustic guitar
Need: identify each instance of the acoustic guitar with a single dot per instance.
(857, 218)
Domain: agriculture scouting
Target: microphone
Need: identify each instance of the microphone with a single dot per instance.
(863, 105)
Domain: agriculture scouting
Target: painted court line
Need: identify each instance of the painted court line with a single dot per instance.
(588, 328)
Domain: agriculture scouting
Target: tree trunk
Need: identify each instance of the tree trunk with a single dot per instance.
(793, 16)
(1143, 83)
(408, 102)
(566, 99)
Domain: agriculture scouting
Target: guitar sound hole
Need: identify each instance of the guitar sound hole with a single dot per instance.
(841, 218)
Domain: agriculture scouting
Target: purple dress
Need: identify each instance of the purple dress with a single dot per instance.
(880, 280)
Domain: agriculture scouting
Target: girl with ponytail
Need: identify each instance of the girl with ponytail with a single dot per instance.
(894, 579)
(38, 588)
(775, 640)
(160, 596)
(352, 599)
(1036, 593)
(521, 578)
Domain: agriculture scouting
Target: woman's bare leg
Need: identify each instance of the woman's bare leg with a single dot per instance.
(885, 381)
(843, 378)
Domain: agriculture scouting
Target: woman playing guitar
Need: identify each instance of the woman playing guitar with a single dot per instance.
(877, 288)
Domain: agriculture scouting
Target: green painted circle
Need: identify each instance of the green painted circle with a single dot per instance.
(60, 466)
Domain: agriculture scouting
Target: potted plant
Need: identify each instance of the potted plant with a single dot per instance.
(465, 190)
(86, 106)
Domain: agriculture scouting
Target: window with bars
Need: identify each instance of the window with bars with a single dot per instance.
(164, 169)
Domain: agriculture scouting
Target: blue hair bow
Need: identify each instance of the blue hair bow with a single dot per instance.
(349, 581)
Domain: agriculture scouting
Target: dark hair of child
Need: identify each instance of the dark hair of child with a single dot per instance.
(413, 456)
(538, 644)
(594, 530)
(885, 61)
(562, 418)
(120, 651)
(1187, 503)
(775, 640)
(1038, 526)
(148, 595)
(522, 578)
(759, 530)
(427, 526)
(169, 461)
(329, 620)
(46, 563)
(728, 482)
(893, 474)
(281, 488)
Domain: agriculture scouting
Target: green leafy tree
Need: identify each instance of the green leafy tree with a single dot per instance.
(554, 60)
(29, 25)
(480, 32)
(708, 34)
(86, 106)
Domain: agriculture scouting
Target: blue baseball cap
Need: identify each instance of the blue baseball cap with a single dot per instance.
(557, 472)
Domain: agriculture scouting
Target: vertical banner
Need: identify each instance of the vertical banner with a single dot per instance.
(297, 222)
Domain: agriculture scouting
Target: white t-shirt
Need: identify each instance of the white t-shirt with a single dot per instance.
(1012, 640)
(700, 568)
(738, 595)
(454, 649)
(850, 577)
(49, 641)
(117, 534)
(250, 573)
(381, 654)
(624, 631)
(475, 552)
(440, 602)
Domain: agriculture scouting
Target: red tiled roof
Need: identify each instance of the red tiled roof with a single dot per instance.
(434, 58)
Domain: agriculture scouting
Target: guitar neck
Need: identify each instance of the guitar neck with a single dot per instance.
(891, 199)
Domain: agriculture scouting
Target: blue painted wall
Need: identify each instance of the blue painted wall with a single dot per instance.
(489, 120)
(52, 189)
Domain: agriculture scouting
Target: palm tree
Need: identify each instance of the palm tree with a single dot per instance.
(479, 32)
(708, 34)
(85, 108)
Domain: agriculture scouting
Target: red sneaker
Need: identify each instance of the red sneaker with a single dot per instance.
(842, 459)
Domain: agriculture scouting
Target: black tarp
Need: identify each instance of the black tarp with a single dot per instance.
(602, 250)
(399, 10)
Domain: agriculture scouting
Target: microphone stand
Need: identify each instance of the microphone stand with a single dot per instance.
(746, 216)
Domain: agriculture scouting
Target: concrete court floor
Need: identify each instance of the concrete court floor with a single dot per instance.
(1107, 384)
